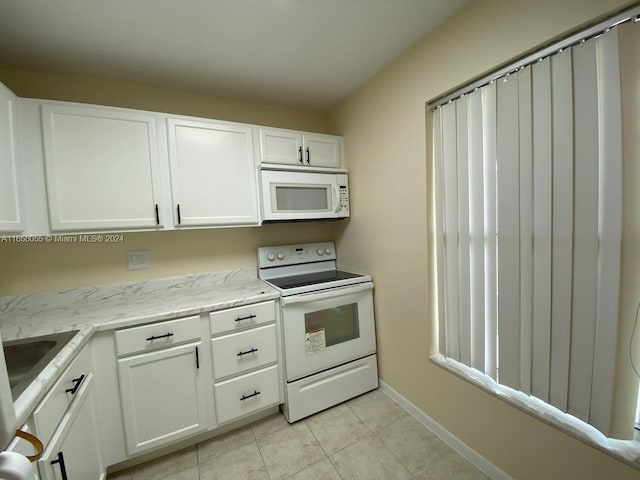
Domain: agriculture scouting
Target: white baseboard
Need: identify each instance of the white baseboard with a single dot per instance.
(447, 437)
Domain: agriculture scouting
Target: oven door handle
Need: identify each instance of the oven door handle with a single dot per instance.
(323, 295)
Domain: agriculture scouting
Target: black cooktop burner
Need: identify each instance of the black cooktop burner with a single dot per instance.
(311, 279)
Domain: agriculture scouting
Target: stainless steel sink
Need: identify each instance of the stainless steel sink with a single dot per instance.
(26, 358)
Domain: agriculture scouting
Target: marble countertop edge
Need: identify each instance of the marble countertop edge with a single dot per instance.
(110, 307)
(184, 312)
(38, 388)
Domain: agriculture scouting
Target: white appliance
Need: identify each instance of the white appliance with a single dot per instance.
(328, 327)
(298, 195)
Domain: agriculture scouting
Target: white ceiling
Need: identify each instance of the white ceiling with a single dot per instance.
(307, 54)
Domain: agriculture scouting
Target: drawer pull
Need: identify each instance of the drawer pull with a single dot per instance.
(197, 358)
(63, 468)
(254, 394)
(156, 337)
(248, 317)
(253, 350)
(76, 384)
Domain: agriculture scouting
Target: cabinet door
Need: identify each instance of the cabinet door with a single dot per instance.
(11, 219)
(102, 168)
(163, 396)
(55, 403)
(75, 445)
(213, 175)
(281, 146)
(321, 150)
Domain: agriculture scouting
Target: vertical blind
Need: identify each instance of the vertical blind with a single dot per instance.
(528, 177)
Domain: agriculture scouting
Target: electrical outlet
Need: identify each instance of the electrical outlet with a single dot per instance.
(138, 259)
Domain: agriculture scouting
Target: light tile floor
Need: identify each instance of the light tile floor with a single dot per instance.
(367, 438)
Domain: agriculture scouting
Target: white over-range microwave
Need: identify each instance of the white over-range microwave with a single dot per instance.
(295, 195)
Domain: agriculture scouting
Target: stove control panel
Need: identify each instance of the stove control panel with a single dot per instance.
(295, 254)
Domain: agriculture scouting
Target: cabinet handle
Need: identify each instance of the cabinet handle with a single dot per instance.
(254, 394)
(156, 337)
(197, 358)
(248, 317)
(157, 215)
(76, 384)
(63, 468)
(253, 350)
(179, 219)
(308, 156)
(300, 155)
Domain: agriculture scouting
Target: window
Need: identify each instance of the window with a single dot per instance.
(528, 172)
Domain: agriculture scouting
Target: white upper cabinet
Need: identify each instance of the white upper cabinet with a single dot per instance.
(288, 147)
(11, 214)
(321, 150)
(92, 168)
(281, 146)
(213, 174)
(102, 168)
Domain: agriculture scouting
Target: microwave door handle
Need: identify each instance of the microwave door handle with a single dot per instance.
(335, 193)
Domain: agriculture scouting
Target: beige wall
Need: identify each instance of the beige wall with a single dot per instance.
(41, 267)
(391, 234)
(35, 267)
(74, 88)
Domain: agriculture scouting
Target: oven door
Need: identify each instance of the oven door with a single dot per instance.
(328, 328)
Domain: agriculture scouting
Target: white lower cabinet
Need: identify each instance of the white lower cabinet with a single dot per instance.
(247, 394)
(239, 352)
(163, 396)
(48, 414)
(245, 360)
(73, 453)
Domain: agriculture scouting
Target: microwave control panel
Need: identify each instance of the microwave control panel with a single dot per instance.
(343, 189)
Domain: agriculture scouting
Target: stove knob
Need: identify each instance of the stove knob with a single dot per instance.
(320, 251)
(271, 257)
(327, 251)
(280, 256)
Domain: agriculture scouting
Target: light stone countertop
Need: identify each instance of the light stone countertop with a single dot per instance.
(107, 307)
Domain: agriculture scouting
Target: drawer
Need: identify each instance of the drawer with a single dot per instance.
(241, 317)
(242, 351)
(157, 335)
(50, 410)
(246, 394)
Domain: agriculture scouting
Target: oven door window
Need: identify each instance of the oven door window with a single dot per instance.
(331, 326)
(296, 198)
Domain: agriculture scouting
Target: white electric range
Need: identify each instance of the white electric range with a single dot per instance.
(328, 326)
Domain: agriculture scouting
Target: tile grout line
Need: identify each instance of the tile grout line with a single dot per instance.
(376, 435)
(255, 438)
(303, 422)
(325, 452)
(358, 416)
(406, 467)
